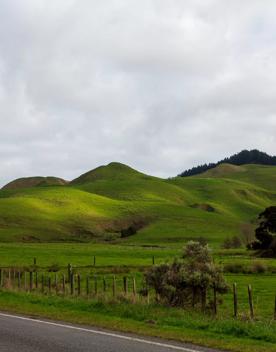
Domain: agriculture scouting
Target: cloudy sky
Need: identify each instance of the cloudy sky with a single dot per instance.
(161, 85)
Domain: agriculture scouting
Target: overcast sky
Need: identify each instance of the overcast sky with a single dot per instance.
(161, 85)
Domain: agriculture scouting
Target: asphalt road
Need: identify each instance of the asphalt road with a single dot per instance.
(24, 334)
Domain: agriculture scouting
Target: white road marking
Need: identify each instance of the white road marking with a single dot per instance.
(98, 332)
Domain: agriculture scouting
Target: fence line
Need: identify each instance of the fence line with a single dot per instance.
(114, 287)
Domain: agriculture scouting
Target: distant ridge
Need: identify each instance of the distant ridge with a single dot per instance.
(242, 158)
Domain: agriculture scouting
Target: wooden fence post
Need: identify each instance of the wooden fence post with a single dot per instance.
(72, 283)
(235, 298)
(215, 300)
(104, 285)
(31, 281)
(250, 302)
(125, 281)
(95, 285)
(25, 281)
(1, 283)
(42, 283)
(69, 268)
(94, 260)
(134, 287)
(275, 308)
(114, 286)
(34, 261)
(79, 285)
(56, 283)
(19, 280)
(153, 260)
(63, 284)
(49, 285)
(36, 280)
(87, 285)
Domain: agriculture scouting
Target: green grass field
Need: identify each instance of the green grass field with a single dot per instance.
(59, 223)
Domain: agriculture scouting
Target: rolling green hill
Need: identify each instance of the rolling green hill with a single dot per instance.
(99, 204)
(35, 181)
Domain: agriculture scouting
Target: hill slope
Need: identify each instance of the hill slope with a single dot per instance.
(36, 181)
(114, 171)
(242, 158)
(260, 175)
(104, 201)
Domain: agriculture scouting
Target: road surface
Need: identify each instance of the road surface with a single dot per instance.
(24, 334)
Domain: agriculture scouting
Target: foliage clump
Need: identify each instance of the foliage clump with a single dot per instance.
(232, 242)
(265, 233)
(188, 280)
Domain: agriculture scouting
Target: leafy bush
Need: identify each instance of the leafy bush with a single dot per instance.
(187, 282)
(233, 242)
(234, 268)
(54, 268)
(238, 268)
(258, 268)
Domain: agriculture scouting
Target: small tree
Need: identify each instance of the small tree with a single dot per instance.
(187, 281)
(265, 233)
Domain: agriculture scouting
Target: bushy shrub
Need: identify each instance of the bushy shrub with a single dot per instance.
(258, 268)
(187, 282)
(54, 268)
(238, 268)
(232, 242)
(234, 268)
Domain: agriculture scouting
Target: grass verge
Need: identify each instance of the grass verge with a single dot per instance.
(149, 320)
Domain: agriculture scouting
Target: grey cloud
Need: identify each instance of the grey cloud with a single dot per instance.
(160, 85)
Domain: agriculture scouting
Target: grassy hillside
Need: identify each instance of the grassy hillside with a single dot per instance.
(102, 202)
(260, 175)
(36, 181)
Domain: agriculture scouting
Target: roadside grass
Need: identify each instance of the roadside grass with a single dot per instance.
(149, 320)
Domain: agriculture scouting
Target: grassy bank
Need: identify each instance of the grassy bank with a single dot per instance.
(150, 320)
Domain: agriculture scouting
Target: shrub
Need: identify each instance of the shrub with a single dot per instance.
(54, 268)
(234, 268)
(258, 268)
(187, 282)
(233, 242)
(237, 268)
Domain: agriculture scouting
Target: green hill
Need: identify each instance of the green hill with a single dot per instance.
(101, 203)
(35, 181)
(245, 157)
(114, 171)
(261, 175)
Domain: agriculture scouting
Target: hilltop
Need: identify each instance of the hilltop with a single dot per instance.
(105, 202)
(114, 171)
(242, 158)
(36, 181)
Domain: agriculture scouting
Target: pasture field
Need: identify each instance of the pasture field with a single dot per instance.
(132, 261)
(82, 254)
